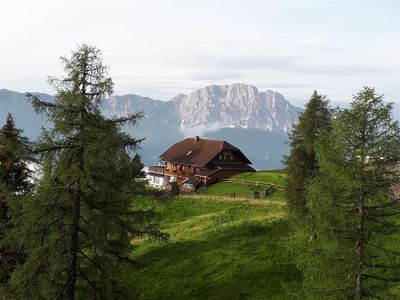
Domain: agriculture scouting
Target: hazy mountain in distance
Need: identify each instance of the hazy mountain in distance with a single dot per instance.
(256, 122)
(22, 111)
(396, 111)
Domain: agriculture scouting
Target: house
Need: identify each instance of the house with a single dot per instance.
(194, 162)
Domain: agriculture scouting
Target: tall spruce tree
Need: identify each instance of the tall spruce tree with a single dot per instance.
(14, 182)
(14, 156)
(301, 163)
(354, 206)
(77, 231)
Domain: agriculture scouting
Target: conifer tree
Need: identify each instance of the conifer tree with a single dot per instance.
(354, 206)
(14, 182)
(301, 163)
(14, 155)
(78, 230)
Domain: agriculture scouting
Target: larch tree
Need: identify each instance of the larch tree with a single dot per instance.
(355, 208)
(301, 163)
(78, 229)
(14, 182)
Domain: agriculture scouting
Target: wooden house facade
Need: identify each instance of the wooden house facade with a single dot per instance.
(194, 162)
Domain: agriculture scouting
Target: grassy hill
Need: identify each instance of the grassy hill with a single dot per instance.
(246, 183)
(220, 248)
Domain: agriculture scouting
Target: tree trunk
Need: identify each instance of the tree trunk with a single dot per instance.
(359, 252)
(71, 281)
(358, 248)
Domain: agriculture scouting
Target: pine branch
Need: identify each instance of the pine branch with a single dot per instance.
(132, 119)
(98, 266)
(54, 148)
(381, 278)
(383, 206)
(39, 105)
(380, 266)
(382, 222)
(91, 283)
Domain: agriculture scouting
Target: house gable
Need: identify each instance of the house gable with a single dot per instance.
(199, 152)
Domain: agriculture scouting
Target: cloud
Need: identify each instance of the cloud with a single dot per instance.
(287, 85)
(212, 75)
(200, 129)
(233, 66)
(340, 69)
(323, 49)
(243, 62)
(295, 65)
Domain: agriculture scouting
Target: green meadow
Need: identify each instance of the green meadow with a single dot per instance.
(219, 247)
(274, 176)
(252, 182)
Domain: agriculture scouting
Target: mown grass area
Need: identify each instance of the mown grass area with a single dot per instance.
(246, 190)
(241, 191)
(275, 177)
(219, 248)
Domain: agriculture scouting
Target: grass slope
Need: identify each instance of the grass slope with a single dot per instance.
(246, 190)
(274, 177)
(219, 249)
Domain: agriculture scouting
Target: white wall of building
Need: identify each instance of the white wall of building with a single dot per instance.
(156, 181)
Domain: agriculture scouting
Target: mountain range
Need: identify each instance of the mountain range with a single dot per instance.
(258, 122)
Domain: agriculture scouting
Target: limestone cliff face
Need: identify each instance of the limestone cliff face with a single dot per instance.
(238, 105)
(222, 106)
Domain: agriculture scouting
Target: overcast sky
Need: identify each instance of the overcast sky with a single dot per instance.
(160, 48)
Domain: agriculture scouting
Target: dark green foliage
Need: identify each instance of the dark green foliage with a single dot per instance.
(14, 182)
(14, 154)
(355, 212)
(77, 231)
(137, 166)
(301, 163)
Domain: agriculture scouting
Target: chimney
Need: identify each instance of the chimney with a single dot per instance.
(196, 138)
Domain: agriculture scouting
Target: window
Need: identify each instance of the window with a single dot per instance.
(226, 155)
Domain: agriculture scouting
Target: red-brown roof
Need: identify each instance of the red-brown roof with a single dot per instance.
(217, 167)
(207, 173)
(198, 152)
(234, 166)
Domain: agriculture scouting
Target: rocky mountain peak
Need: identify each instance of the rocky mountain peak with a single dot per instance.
(237, 105)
